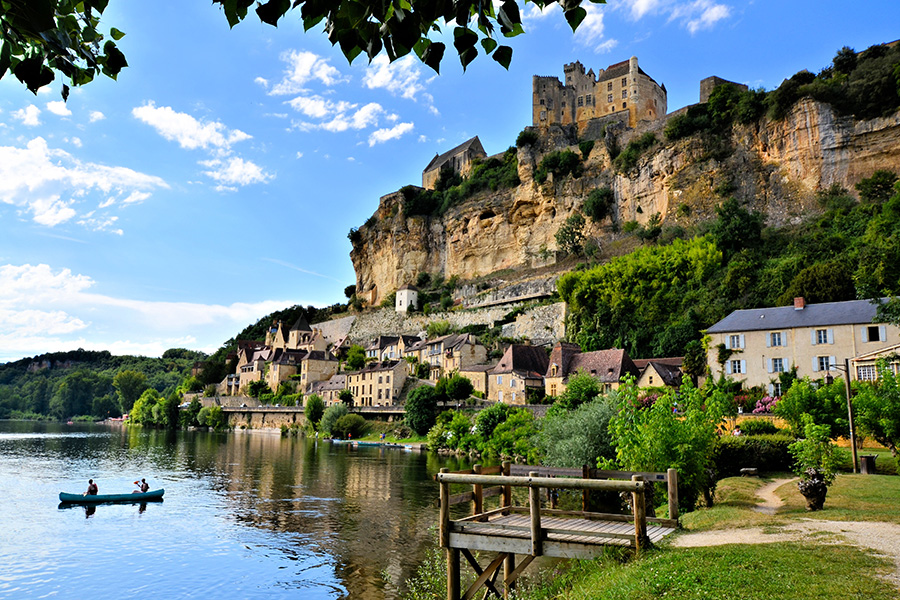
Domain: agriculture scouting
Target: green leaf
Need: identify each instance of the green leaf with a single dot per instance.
(433, 56)
(464, 39)
(33, 73)
(467, 56)
(488, 44)
(5, 59)
(273, 10)
(65, 92)
(503, 55)
(575, 16)
(115, 60)
(116, 34)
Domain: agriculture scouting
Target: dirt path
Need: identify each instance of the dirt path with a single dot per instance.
(883, 538)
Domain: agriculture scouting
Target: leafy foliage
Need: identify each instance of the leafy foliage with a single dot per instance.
(878, 409)
(826, 404)
(330, 417)
(527, 137)
(356, 357)
(599, 204)
(628, 158)
(816, 451)
(349, 426)
(766, 452)
(561, 163)
(314, 409)
(570, 235)
(579, 437)
(421, 409)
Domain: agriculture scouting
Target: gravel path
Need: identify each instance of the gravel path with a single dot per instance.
(883, 538)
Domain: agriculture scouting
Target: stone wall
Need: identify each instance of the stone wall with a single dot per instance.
(265, 418)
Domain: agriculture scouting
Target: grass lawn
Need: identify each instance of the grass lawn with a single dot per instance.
(850, 498)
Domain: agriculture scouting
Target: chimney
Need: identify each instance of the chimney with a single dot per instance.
(799, 303)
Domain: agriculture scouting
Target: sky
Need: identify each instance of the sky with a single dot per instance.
(216, 180)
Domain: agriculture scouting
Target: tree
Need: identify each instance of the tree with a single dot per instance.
(581, 389)
(736, 228)
(845, 60)
(142, 411)
(349, 426)
(331, 416)
(579, 437)
(421, 409)
(570, 236)
(129, 385)
(694, 364)
(350, 291)
(346, 396)
(826, 404)
(258, 388)
(459, 387)
(598, 204)
(356, 358)
(40, 37)
(878, 409)
(879, 187)
(314, 409)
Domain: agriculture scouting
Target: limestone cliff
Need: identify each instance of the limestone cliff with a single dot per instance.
(776, 167)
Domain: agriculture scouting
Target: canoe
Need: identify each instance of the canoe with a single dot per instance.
(96, 498)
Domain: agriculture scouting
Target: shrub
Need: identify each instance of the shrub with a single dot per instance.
(209, 391)
(627, 160)
(586, 146)
(314, 409)
(527, 137)
(438, 328)
(421, 409)
(561, 164)
(815, 451)
(579, 437)
(598, 204)
(349, 426)
(765, 405)
(570, 235)
(768, 453)
(758, 427)
(331, 416)
(488, 420)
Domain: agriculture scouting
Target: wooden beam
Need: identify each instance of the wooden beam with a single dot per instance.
(453, 589)
(673, 495)
(477, 498)
(543, 482)
(444, 524)
(509, 579)
(483, 576)
(509, 568)
(640, 516)
(534, 503)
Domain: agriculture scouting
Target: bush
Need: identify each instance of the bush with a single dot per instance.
(561, 164)
(527, 137)
(349, 426)
(758, 427)
(331, 416)
(314, 409)
(579, 437)
(598, 204)
(769, 453)
(627, 160)
(586, 146)
(421, 409)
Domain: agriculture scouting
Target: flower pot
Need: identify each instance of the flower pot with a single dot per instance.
(813, 488)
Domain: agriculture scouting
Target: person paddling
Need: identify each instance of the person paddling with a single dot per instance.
(143, 485)
(92, 490)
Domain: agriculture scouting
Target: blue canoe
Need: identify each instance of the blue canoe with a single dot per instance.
(97, 498)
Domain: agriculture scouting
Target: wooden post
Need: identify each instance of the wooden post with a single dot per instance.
(672, 477)
(444, 525)
(477, 494)
(640, 516)
(506, 496)
(534, 502)
(453, 589)
(585, 498)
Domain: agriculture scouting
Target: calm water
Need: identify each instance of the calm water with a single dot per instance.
(246, 515)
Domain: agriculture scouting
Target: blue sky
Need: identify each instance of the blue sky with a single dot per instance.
(217, 179)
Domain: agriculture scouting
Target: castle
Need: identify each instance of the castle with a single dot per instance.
(622, 91)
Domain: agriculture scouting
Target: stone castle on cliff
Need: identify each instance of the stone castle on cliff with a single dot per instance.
(621, 92)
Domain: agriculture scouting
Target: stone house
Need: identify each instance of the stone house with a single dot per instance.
(520, 370)
(478, 375)
(407, 298)
(390, 347)
(303, 337)
(865, 366)
(755, 345)
(448, 353)
(330, 389)
(622, 90)
(458, 160)
(606, 366)
(252, 365)
(659, 372)
(377, 384)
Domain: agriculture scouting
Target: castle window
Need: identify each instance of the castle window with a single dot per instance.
(580, 100)
(624, 94)
(549, 102)
(587, 99)
(609, 86)
(543, 115)
(542, 101)
(624, 106)
(624, 81)
(609, 98)
(564, 104)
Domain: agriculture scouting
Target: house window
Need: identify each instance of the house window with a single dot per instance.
(609, 86)
(821, 336)
(580, 100)
(564, 104)
(736, 367)
(624, 106)
(874, 334)
(387, 378)
(775, 338)
(541, 102)
(550, 103)
(513, 400)
(778, 365)
(587, 99)
(624, 81)
(512, 382)
(499, 379)
(553, 389)
(651, 380)
(776, 389)
(735, 342)
(500, 396)
(624, 94)
(609, 98)
(866, 373)
(824, 363)
(543, 115)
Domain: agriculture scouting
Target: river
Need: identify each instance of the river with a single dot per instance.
(245, 515)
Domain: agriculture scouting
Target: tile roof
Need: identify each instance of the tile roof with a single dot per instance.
(561, 357)
(606, 365)
(787, 317)
(301, 325)
(440, 159)
(670, 374)
(529, 361)
(673, 361)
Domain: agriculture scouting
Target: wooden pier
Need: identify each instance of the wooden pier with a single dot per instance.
(535, 530)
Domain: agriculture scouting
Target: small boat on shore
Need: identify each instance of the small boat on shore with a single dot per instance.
(152, 495)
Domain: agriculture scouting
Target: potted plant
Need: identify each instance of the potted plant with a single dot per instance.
(816, 459)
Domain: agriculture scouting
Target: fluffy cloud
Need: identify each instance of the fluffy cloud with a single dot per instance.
(188, 131)
(639, 8)
(701, 14)
(380, 136)
(96, 115)
(235, 171)
(49, 183)
(400, 78)
(303, 67)
(59, 108)
(590, 33)
(44, 309)
(337, 116)
(30, 115)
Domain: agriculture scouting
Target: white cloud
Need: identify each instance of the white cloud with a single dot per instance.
(400, 78)
(304, 67)
(235, 171)
(44, 309)
(700, 14)
(30, 115)
(101, 224)
(336, 116)
(59, 108)
(380, 136)
(75, 141)
(188, 131)
(49, 183)
(534, 15)
(299, 155)
(96, 115)
(262, 81)
(135, 197)
(639, 8)
(590, 33)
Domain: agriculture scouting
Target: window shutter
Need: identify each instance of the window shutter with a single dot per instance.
(728, 367)
(744, 366)
(864, 333)
(784, 336)
(769, 364)
(831, 336)
(771, 389)
(742, 341)
(813, 337)
(727, 342)
(815, 360)
(882, 333)
(768, 340)
(832, 361)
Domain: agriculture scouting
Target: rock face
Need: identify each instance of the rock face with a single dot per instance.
(775, 167)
